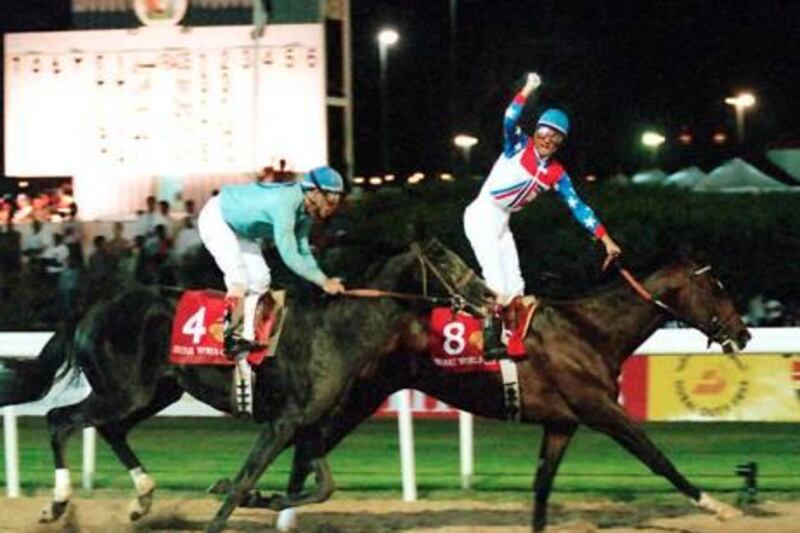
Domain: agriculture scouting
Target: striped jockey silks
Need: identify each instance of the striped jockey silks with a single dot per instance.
(519, 175)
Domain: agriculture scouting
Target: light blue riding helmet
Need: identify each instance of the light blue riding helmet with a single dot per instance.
(556, 119)
(323, 178)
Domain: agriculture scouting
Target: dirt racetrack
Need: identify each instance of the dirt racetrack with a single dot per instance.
(103, 515)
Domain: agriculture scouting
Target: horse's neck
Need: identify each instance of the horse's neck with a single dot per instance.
(622, 319)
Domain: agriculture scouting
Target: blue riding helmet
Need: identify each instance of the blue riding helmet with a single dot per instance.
(556, 119)
(323, 178)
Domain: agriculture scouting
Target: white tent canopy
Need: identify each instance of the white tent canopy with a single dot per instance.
(653, 176)
(738, 176)
(686, 178)
(788, 159)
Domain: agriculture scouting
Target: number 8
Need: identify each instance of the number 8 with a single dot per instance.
(454, 342)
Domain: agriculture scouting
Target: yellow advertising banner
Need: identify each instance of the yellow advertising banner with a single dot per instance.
(721, 387)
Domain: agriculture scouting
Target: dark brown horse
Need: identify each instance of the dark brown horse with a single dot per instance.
(576, 351)
(122, 345)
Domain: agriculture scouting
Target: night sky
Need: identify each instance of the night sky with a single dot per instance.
(617, 67)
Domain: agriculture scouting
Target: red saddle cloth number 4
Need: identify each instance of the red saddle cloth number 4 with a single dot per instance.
(197, 331)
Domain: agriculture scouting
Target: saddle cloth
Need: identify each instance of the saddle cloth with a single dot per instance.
(456, 340)
(197, 330)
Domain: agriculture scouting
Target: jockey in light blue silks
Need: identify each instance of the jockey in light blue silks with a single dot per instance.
(525, 169)
(232, 223)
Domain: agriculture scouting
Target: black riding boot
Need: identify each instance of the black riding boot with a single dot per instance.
(233, 344)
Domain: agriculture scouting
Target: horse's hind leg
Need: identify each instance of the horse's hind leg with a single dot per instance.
(608, 417)
(62, 423)
(555, 440)
(116, 434)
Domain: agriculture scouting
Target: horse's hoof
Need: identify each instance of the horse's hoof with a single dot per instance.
(723, 511)
(728, 512)
(221, 486)
(53, 511)
(140, 506)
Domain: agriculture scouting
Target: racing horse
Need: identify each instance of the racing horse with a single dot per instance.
(122, 346)
(570, 377)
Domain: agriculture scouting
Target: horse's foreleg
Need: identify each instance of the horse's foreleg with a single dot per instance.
(270, 443)
(609, 418)
(555, 440)
(323, 489)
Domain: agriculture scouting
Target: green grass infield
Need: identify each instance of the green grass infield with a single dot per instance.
(189, 454)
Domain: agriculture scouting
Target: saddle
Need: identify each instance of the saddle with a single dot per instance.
(197, 330)
(457, 342)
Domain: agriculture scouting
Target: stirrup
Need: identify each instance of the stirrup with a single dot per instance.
(234, 345)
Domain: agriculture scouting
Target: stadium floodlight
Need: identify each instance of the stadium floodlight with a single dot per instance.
(741, 102)
(652, 139)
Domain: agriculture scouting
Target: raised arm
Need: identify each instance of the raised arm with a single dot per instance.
(512, 134)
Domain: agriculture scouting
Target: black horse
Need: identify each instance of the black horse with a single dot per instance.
(122, 346)
(575, 353)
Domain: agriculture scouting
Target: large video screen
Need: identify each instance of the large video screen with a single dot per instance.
(167, 101)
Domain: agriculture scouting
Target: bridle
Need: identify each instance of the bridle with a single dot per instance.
(455, 299)
(715, 331)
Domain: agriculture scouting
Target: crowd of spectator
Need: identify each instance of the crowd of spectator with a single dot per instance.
(60, 270)
(45, 206)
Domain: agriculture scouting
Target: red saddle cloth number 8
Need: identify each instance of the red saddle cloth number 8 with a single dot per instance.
(456, 342)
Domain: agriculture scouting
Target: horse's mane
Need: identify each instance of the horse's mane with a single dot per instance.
(618, 284)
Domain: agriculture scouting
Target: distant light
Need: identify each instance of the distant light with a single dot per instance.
(415, 178)
(375, 180)
(685, 138)
(719, 137)
(388, 177)
(465, 141)
(741, 100)
(446, 176)
(652, 139)
(590, 178)
(23, 184)
(388, 37)
(358, 180)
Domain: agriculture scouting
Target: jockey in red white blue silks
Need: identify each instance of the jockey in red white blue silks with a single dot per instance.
(525, 169)
(232, 223)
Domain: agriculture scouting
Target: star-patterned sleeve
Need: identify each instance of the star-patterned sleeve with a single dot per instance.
(582, 212)
(513, 138)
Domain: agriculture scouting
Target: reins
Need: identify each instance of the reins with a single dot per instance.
(648, 297)
(377, 293)
(455, 299)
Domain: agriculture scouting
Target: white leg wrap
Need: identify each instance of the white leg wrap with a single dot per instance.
(287, 520)
(142, 481)
(63, 489)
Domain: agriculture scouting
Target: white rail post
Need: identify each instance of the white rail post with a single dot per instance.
(406, 430)
(12, 452)
(466, 448)
(89, 457)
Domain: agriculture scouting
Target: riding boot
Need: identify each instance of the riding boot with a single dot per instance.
(234, 344)
(512, 316)
(493, 347)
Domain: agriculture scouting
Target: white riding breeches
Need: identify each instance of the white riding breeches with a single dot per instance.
(240, 259)
(486, 227)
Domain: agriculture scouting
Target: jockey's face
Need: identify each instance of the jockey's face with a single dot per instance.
(321, 205)
(547, 140)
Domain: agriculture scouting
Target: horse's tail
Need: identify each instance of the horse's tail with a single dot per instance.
(31, 380)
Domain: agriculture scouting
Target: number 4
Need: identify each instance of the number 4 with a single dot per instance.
(195, 325)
